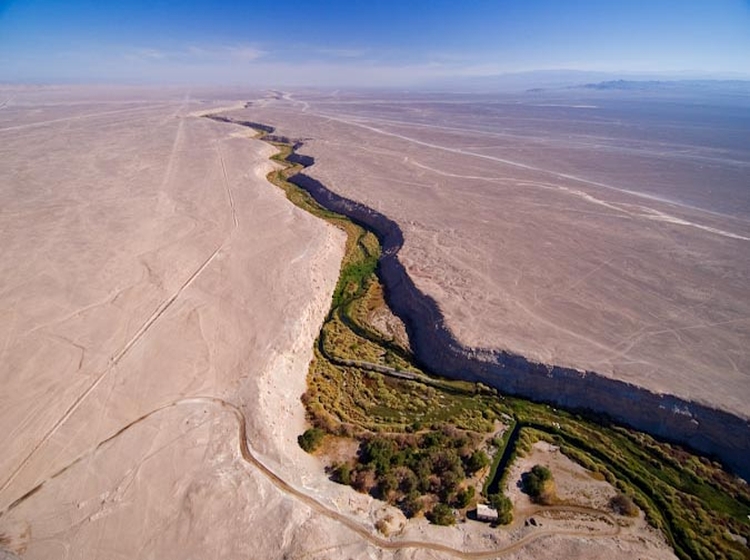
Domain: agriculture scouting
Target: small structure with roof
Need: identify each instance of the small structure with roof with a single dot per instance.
(486, 513)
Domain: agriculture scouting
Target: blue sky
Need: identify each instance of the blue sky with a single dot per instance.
(365, 43)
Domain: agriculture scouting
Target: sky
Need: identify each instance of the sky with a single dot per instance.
(376, 43)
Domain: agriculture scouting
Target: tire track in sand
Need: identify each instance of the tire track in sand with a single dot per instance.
(361, 530)
(139, 334)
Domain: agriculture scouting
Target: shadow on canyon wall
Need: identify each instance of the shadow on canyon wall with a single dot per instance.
(712, 432)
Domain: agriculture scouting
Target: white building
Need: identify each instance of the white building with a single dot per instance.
(486, 513)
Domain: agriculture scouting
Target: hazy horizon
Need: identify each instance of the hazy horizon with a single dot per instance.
(322, 279)
(368, 44)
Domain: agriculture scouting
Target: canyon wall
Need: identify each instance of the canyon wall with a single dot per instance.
(707, 430)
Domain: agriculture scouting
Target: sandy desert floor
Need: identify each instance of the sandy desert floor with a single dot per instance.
(575, 485)
(160, 302)
(528, 227)
(151, 274)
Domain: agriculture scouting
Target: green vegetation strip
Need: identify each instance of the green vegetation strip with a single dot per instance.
(421, 439)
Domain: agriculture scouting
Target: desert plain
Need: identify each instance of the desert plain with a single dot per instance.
(161, 299)
(602, 232)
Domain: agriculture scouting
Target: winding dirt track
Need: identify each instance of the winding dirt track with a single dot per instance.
(315, 505)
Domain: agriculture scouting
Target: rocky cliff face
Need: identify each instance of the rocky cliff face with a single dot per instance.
(707, 430)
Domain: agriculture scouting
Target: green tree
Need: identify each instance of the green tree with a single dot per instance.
(504, 508)
(538, 484)
(387, 484)
(342, 474)
(464, 497)
(442, 514)
(476, 462)
(412, 504)
(424, 472)
(409, 482)
(311, 439)
(432, 440)
(448, 484)
(378, 453)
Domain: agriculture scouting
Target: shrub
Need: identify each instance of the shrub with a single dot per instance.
(448, 484)
(504, 508)
(447, 460)
(442, 514)
(378, 452)
(342, 474)
(542, 472)
(409, 482)
(387, 484)
(432, 440)
(464, 497)
(476, 462)
(382, 525)
(363, 480)
(412, 504)
(539, 485)
(311, 439)
(423, 471)
(623, 505)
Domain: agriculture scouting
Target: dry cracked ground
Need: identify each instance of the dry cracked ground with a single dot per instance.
(160, 300)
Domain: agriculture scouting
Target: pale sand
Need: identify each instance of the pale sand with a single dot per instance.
(147, 261)
(157, 292)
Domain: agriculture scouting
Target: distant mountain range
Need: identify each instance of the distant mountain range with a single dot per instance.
(650, 85)
(559, 80)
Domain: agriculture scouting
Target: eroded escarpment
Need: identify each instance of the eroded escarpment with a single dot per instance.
(707, 430)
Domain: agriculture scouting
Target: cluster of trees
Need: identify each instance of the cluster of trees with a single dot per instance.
(416, 471)
(539, 485)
